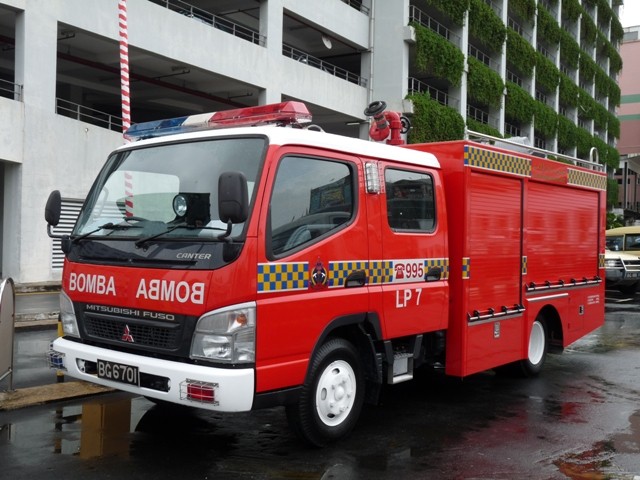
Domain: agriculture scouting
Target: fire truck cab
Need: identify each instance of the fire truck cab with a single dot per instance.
(225, 263)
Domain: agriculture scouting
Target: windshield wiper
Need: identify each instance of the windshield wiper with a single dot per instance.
(142, 241)
(106, 226)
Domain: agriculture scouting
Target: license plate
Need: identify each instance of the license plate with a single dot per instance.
(118, 372)
(633, 274)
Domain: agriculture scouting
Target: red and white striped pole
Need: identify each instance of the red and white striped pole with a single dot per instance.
(124, 64)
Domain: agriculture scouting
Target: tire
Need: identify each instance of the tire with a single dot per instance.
(537, 352)
(332, 396)
(628, 289)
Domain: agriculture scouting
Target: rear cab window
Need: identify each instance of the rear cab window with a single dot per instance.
(410, 201)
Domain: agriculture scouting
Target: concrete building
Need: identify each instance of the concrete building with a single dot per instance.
(629, 114)
(541, 69)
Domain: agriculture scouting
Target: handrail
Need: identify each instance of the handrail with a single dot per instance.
(593, 164)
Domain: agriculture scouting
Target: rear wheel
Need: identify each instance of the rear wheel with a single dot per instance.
(628, 289)
(538, 346)
(536, 353)
(332, 397)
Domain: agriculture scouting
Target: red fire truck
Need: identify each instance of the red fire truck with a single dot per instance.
(222, 262)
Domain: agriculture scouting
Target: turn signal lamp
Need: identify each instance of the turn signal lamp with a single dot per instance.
(196, 391)
(283, 114)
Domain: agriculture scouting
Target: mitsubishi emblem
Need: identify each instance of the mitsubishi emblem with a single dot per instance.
(126, 335)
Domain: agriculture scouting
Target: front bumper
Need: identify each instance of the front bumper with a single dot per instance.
(234, 388)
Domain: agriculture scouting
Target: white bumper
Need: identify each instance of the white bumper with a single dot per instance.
(233, 393)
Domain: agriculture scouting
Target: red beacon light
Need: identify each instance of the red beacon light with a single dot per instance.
(282, 114)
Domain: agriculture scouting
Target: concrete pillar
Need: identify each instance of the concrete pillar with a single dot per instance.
(271, 13)
(35, 56)
(390, 52)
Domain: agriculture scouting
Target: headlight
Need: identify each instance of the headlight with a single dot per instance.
(68, 316)
(612, 263)
(226, 335)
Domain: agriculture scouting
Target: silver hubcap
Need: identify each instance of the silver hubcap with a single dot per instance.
(336, 393)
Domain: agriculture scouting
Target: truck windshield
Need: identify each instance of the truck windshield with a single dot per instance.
(168, 189)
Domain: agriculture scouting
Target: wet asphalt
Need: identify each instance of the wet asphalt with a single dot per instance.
(579, 420)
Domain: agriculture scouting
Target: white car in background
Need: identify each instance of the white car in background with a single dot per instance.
(622, 258)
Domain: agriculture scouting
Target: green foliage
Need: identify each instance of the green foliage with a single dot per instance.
(571, 10)
(615, 60)
(604, 12)
(569, 49)
(485, 25)
(525, 8)
(606, 154)
(587, 105)
(519, 105)
(476, 126)
(485, 86)
(548, 28)
(433, 122)
(614, 94)
(566, 133)
(547, 74)
(617, 31)
(520, 53)
(435, 55)
(569, 92)
(613, 220)
(455, 9)
(545, 120)
(600, 116)
(587, 67)
(588, 29)
(613, 125)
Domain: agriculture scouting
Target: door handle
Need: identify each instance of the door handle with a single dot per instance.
(356, 279)
(433, 274)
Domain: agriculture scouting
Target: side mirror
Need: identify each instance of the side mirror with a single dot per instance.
(233, 197)
(53, 208)
(52, 213)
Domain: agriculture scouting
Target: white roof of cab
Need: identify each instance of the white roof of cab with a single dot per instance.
(310, 138)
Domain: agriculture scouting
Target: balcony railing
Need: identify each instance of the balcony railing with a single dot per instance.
(357, 4)
(483, 57)
(307, 59)
(481, 116)
(88, 115)
(416, 86)
(417, 15)
(518, 28)
(10, 90)
(212, 20)
(512, 130)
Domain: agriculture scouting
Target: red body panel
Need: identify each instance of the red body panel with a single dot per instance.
(517, 220)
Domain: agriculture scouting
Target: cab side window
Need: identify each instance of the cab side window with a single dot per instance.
(311, 198)
(410, 200)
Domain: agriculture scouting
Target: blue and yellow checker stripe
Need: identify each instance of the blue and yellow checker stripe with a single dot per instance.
(524, 265)
(501, 162)
(466, 268)
(587, 179)
(601, 260)
(339, 271)
(380, 272)
(283, 277)
(442, 263)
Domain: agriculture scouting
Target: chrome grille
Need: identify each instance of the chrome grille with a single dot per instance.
(111, 329)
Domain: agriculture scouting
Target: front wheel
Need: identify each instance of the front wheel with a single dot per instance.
(332, 397)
